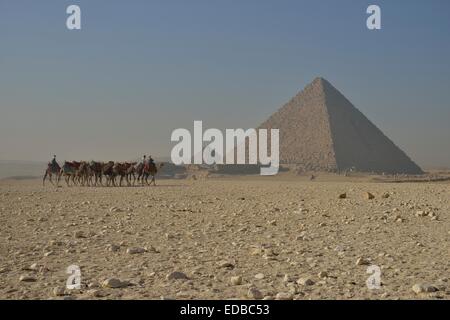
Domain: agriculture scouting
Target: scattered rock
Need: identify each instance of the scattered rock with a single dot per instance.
(4, 269)
(369, 196)
(322, 274)
(287, 278)
(96, 293)
(259, 251)
(34, 267)
(305, 282)
(283, 296)
(135, 250)
(236, 280)
(26, 278)
(421, 213)
(176, 275)
(113, 248)
(93, 284)
(114, 283)
(79, 234)
(385, 195)
(255, 294)
(226, 264)
(59, 291)
(259, 276)
(362, 262)
(423, 288)
(343, 196)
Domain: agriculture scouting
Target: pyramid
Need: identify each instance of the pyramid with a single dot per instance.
(320, 130)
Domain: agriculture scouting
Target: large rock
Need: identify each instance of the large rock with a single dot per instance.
(176, 275)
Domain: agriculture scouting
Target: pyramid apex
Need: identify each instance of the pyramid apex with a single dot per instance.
(320, 80)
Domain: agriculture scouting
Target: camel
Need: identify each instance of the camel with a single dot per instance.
(69, 170)
(83, 173)
(139, 171)
(124, 170)
(95, 170)
(50, 171)
(150, 169)
(108, 172)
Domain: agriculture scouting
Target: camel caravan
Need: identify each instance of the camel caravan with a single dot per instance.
(93, 173)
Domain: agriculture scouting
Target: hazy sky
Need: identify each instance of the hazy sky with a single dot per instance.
(139, 69)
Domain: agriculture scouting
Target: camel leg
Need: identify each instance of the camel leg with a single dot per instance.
(58, 178)
(50, 178)
(45, 176)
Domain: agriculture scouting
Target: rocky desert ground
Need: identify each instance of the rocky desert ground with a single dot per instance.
(226, 238)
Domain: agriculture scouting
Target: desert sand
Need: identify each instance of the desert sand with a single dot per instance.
(228, 238)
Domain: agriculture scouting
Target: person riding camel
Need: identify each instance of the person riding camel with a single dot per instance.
(150, 161)
(144, 159)
(53, 163)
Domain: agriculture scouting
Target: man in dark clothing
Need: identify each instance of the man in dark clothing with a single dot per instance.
(54, 163)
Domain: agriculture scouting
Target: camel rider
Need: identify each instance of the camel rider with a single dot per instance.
(150, 160)
(143, 161)
(54, 164)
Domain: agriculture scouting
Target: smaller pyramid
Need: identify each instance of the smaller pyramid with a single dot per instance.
(320, 130)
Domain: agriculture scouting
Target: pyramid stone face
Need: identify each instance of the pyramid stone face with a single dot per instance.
(320, 130)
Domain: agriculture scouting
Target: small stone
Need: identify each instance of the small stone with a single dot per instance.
(305, 282)
(79, 234)
(287, 278)
(59, 291)
(343, 196)
(135, 250)
(322, 274)
(255, 294)
(96, 293)
(93, 285)
(283, 296)
(226, 264)
(113, 248)
(259, 276)
(26, 278)
(421, 213)
(176, 275)
(114, 283)
(49, 253)
(259, 251)
(423, 288)
(385, 195)
(369, 196)
(115, 209)
(4, 269)
(362, 261)
(236, 280)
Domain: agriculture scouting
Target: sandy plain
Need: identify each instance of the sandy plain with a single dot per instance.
(226, 238)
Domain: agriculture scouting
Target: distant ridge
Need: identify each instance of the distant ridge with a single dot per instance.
(320, 130)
